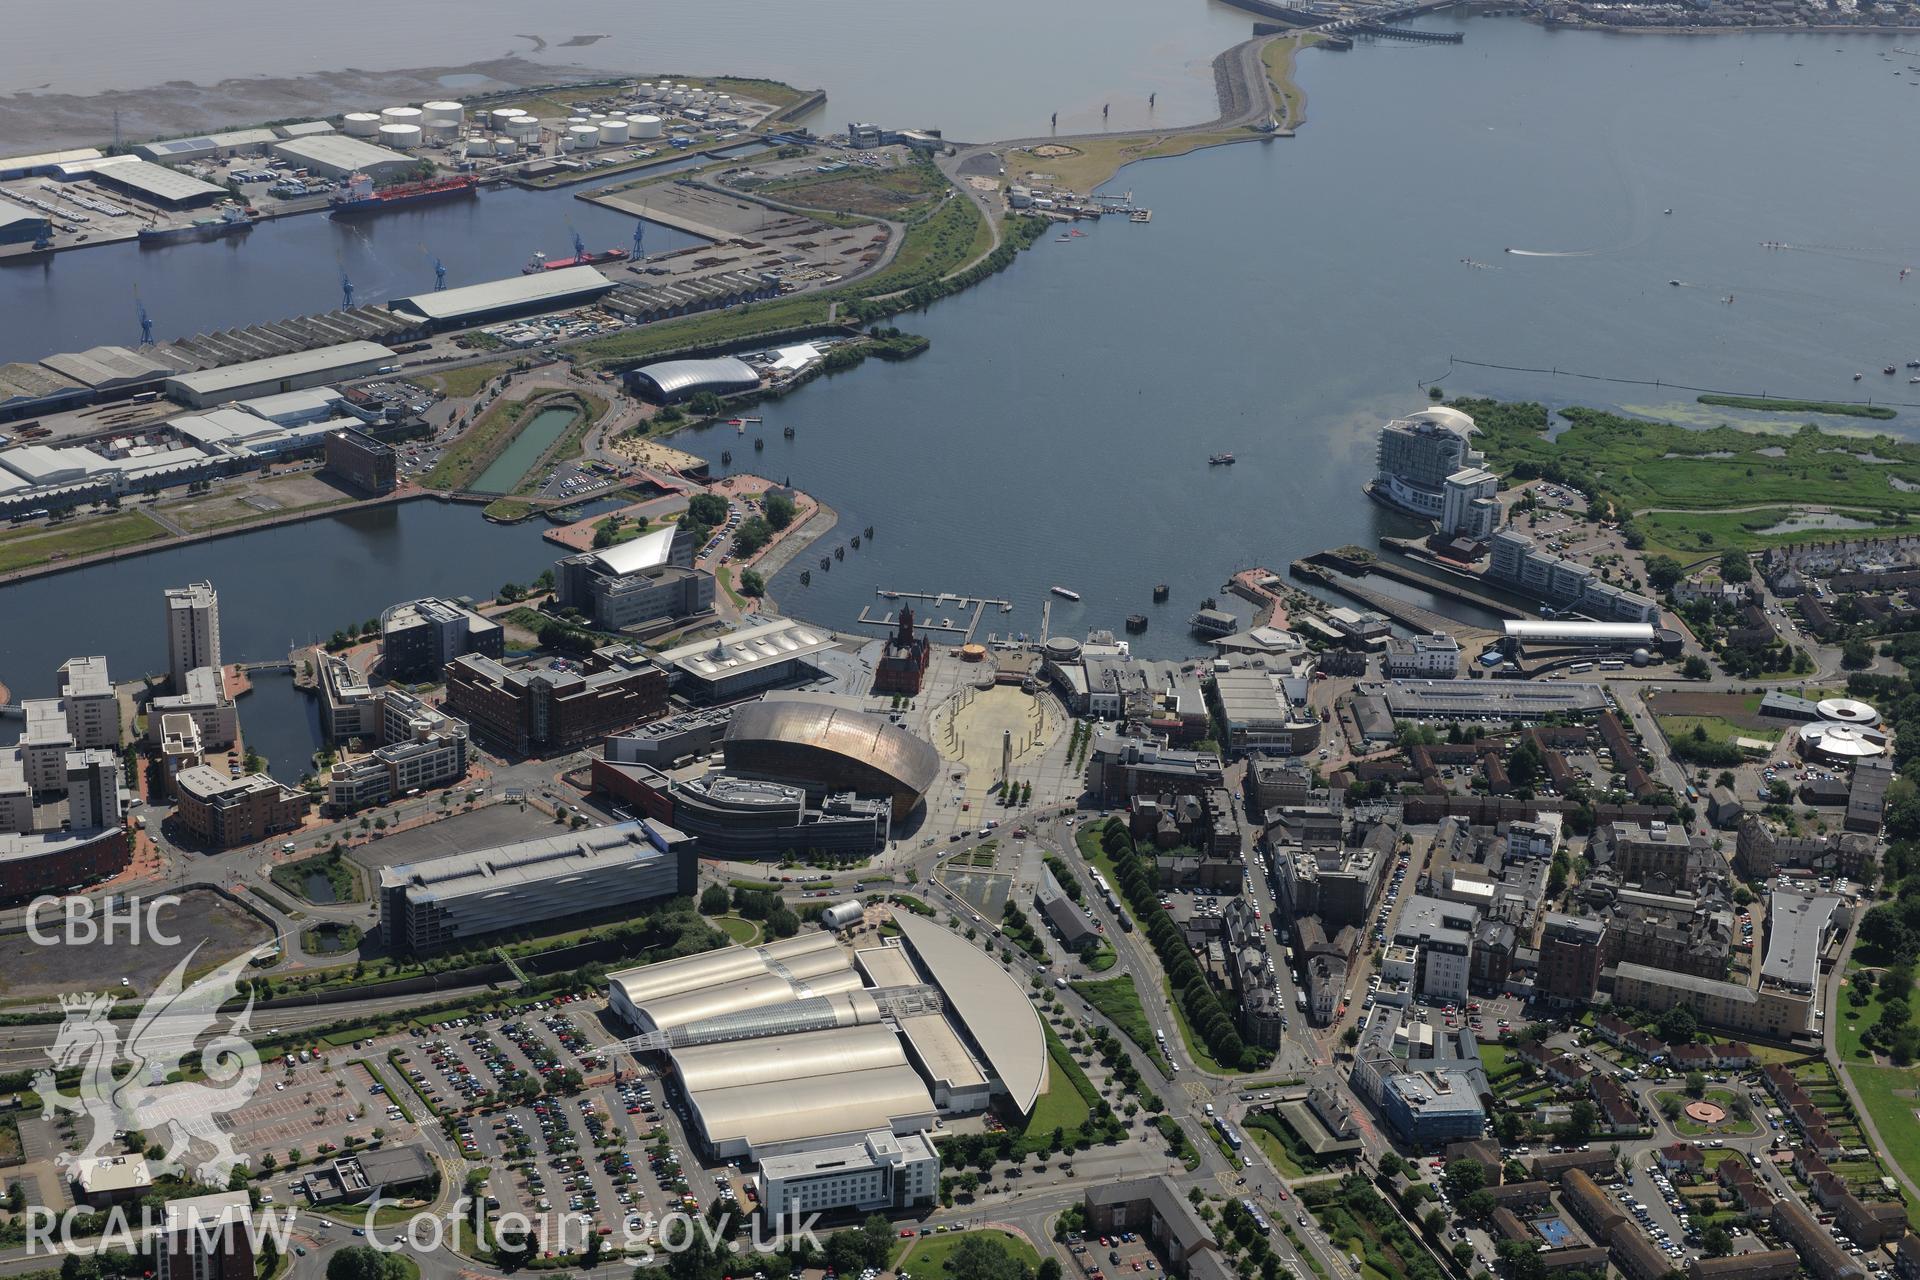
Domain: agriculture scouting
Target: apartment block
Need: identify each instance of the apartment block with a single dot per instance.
(193, 630)
(93, 712)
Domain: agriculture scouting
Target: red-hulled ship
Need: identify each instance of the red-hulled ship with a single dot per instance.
(358, 195)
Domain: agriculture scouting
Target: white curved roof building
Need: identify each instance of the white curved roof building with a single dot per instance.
(1847, 711)
(670, 380)
(1440, 415)
(1841, 743)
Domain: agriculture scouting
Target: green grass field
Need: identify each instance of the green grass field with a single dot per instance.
(1890, 1097)
(1855, 1019)
(1718, 728)
(1061, 1106)
(1118, 1001)
(460, 383)
(745, 932)
(927, 1256)
(1289, 1155)
(1689, 535)
(84, 536)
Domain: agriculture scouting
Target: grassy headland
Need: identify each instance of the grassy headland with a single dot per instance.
(1768, 405)
(1690, 491)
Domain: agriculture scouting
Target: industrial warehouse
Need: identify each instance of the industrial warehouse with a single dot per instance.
(235, 437)
(808, 1058)
(504, 299)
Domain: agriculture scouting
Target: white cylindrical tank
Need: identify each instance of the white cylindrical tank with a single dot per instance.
(567, 143)
(612, 132)
(645, 126)
(401, 137)
(505, 116)
(505, 147)
(678, 97)
(523, 129)
(444, 113)
(401, 115)
(441, 131)
(584, 135)
(575, 120)
(361, 124)
(479, 146)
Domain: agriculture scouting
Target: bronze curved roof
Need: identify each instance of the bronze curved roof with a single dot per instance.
(826, 725)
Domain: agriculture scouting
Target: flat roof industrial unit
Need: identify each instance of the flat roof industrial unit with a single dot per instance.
(515, 295)
(160, 185)
(1414, 699)
(44, 162)
(337, 156)
(941, 1052)
(290, 372)
(886, 966)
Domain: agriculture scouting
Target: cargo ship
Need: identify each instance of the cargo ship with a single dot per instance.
(581, 258)
(232, 220)
(357, 195)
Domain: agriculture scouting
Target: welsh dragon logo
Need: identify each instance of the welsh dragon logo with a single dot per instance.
(136, 1099)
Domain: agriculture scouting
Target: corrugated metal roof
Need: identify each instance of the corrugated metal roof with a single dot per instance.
(656, 981)
(162, 183)
(558, 287)
(795, 1110)
(273, 368)
(704, 1068)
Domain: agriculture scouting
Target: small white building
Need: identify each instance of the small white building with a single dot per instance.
(843, 915)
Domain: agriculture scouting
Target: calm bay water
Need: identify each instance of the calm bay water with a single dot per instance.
(292, 266)
(985, 69)
(1286, 298)
(278, 588)
(1289, 296)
